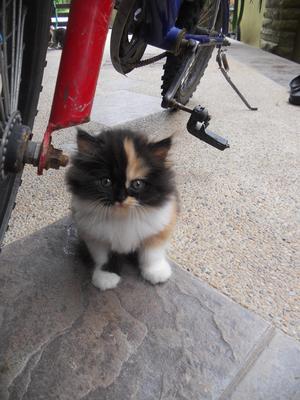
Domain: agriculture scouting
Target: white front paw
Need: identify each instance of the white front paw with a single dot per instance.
(157, 272)
(105, 280)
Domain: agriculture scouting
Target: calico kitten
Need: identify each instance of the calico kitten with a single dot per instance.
(123, 200)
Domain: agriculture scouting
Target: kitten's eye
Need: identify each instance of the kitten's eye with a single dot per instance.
(138, 185)
(105, 182)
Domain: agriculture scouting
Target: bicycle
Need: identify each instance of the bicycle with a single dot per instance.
(187, 31)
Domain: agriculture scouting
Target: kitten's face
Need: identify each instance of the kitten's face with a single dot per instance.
(121, 170)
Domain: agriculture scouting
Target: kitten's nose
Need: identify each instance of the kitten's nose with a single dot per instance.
(120, 197)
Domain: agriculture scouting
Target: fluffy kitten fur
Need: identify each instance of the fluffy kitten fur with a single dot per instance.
(123, 200)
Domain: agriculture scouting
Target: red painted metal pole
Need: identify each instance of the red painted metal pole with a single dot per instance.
(79, 67)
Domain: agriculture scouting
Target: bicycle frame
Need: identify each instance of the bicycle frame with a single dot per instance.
(79, 68)
(82, 55)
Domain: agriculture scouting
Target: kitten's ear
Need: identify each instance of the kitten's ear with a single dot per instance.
(160, 149)
(85, 142)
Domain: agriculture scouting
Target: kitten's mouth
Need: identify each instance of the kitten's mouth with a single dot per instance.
(125, 204)
(120, 205)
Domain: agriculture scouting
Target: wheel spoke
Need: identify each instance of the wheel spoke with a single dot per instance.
(2, 112)
(20, 50)
(3, 63)
(15, 75)
(209, 14)
(12, 83)
(13, 16)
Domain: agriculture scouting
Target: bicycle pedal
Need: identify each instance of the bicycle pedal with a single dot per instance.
(197, 124)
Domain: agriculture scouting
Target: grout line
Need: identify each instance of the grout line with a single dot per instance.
(253, 356)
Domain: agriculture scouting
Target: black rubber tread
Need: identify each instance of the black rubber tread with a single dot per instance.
(36, 37)
(188, 18)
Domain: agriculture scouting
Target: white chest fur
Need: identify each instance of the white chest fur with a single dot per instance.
(122, 233)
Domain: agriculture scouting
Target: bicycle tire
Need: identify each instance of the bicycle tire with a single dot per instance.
(188, 18)
(36, 37)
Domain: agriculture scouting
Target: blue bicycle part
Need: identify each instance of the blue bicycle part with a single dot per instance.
(155, 22)
(164, 33)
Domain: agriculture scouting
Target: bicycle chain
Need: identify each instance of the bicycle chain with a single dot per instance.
(149, 60)
(152, 60)
(12, 120)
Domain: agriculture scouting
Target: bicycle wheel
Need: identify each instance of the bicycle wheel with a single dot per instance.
(24, 35)
(127, 45)
(196, 17)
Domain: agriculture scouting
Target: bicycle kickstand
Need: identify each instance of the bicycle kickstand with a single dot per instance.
(224, 68)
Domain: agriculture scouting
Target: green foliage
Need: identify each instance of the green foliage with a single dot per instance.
(62, 2)
(238, 12)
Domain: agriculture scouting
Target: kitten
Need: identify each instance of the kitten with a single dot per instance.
(123, 200)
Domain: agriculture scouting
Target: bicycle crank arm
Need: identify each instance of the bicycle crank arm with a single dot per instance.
(169, 96)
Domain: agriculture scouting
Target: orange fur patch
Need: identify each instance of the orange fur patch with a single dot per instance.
(130, 201)
(162, 237)
(135, 166)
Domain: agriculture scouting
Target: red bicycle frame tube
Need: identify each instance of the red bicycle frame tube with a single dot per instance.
(79, 68)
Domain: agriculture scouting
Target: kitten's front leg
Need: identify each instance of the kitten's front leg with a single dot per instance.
(101, 279)
(154, 265)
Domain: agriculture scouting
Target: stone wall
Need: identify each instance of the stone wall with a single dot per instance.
(280, 26)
